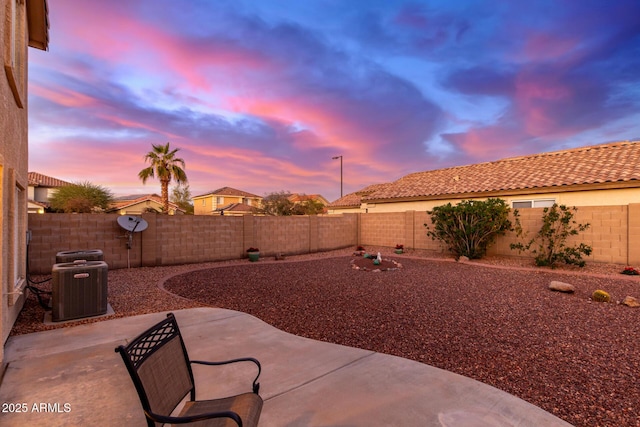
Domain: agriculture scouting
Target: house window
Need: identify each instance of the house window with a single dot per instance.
(18, 233)
(533, 203)
(14, 49)
(220, 200)
(17, 236)
(204, 202)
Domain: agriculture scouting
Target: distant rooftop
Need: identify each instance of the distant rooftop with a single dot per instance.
(123, 202)
(36, 179)
(236, 207)
(227, 191)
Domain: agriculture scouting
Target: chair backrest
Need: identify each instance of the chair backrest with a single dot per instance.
(159, 366)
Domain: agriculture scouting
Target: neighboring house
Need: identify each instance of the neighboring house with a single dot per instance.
(226, 201)
(41, 188)
(352, 202)
(22, 24)
(137, 204)
(299, 198)
(37, 207)
(598, 175)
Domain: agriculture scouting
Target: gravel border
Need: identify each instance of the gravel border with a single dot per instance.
(493, 320)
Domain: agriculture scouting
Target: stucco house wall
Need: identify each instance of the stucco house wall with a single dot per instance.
(206, 204)
(19, 25)
(601, 197)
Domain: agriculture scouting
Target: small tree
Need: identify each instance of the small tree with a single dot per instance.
(165, 166)
(469, 227)
(277, 204)
(82, 197)
(557, 225)
(181, 196)
(308, 207)
(280, 204)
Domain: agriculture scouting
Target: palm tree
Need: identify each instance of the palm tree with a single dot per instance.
(166, 166)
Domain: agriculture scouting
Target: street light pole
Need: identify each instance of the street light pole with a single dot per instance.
(336, 158)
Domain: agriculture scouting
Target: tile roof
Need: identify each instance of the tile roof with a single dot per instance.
(41, 204)
(131, 197)
(227, 191)
(131, 200)
(353, 200)
(606, 163)
(236, 207)
(36, 179)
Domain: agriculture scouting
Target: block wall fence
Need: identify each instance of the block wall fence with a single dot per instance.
(182, 239)
(614, 232)
(614, 235)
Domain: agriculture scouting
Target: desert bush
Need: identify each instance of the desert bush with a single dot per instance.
(469, 227)
(550, 241)
(81, 197)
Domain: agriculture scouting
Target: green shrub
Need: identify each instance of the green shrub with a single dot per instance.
(557, 225)
(81, 197)
(600, 296)
(469, 227)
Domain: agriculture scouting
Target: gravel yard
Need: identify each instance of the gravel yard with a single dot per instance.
(577, 359)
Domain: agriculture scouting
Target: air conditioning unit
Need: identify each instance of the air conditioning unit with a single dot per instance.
(79, 290)
(84, 255)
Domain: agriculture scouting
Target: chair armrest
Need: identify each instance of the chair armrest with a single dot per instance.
(256, 384)
(193, 418)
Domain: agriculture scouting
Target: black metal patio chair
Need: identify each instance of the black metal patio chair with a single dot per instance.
(160, 368)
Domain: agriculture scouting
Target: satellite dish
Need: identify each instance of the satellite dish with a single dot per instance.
(133, 224)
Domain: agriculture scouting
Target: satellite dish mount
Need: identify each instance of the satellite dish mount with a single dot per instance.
(131, 224)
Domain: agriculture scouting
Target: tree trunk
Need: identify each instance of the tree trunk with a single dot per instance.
(165, 195)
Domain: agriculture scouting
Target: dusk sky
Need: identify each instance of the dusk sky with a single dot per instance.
(260, 95)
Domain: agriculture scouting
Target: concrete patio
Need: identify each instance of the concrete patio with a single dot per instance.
(81, 381)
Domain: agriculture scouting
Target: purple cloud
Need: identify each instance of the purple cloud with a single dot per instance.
(260, 96)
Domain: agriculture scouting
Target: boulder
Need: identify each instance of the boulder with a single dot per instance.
(631, 302)
(463, 259)
(562, 287)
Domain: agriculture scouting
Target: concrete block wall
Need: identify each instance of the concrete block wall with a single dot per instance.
(531, 221)
(392, 228)
(633, 232)
(183, 239)
(51, 234)
(336, 231)
(289, 234)
(607, 233)
(614, 232)
(382, 229)
(178, 239)
(422, 240)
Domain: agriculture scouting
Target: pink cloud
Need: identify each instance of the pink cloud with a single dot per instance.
(332, 128)
(149, 47)
(136, 124)
(538, 95)
(545, 47)
(63, 96)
